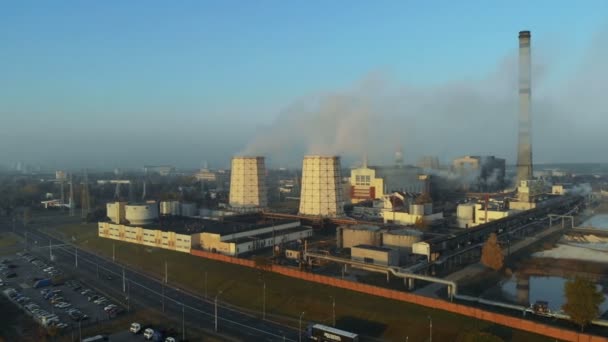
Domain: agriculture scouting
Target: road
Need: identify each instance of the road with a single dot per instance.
(140, 290)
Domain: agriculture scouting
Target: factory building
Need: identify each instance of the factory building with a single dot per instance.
(402, 209)
(480, 173)
(148, 237)
(529, 192)
(248, 190)
(469, 215)
(163, 170)
(402, 179)
(375, 255)
(227, 241)
(322, 191)
(233, 236)
(205, 175)
(358, 234)
(364, 185)
(368, 183)
(402, 241)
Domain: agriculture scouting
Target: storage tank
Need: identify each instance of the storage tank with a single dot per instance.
(321, 193)
(141, 214)
(248, 184)
(175, 208)
(401, 240)
(165, 208)
(359, 234)
(116, 211)
(189, 209)
(417, 209)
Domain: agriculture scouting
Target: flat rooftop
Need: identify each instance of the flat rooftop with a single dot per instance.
(225, 226)
(268, 234)
(374, 248)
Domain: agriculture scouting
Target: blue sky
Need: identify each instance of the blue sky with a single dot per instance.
(150, 65)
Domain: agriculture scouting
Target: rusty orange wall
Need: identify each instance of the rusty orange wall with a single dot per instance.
(497, 318)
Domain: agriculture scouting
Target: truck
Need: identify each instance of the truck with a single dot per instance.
(49, 282)
(323, 333)
(43, 283)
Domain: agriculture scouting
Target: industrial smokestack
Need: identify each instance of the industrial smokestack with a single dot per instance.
(248, 184)
(321, 193)
(524, 148)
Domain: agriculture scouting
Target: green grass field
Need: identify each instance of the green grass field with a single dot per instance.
(288, 297)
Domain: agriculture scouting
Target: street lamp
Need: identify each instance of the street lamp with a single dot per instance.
(333, 307)
(264, 302)
(184, 323)
(215, 301)
(430, 329)
(300, 325)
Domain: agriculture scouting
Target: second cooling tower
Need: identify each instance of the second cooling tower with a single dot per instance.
(321, 187)
(248, 184)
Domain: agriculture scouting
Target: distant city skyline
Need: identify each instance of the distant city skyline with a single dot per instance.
(123, 84)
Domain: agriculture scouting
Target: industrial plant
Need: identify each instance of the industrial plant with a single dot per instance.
(398, 231)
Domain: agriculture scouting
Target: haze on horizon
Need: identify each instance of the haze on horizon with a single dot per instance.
(118, 84)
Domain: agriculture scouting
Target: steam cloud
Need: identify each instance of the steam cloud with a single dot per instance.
(477, 117)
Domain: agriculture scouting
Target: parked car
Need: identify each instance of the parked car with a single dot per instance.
(148, 333)
(135, 328)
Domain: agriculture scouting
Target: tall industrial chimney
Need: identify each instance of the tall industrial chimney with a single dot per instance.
(248, 184)
(321, 193)
(524, 148)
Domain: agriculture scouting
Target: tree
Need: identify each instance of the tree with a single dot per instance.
(491, 254)
(420, 223)
(583, 301)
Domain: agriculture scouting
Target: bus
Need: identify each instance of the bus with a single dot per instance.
(323, 333)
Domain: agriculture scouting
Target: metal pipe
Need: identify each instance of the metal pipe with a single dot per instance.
(396, 271)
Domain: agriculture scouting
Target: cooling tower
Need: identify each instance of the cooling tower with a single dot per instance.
(248, 184)
(524, 147)
(321, 193)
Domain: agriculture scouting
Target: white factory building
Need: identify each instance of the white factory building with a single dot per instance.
(399, 241)
(375, 255)
(397, 209)
(469, 215)
(235, 235)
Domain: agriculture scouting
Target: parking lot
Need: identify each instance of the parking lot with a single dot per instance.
(50, 295)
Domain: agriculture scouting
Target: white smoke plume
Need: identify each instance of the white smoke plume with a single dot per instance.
(462, 117)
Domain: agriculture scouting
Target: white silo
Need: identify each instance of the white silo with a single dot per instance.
(165, 208)
(401, 240)
(321, 193)
(141, 214)
(248, 184)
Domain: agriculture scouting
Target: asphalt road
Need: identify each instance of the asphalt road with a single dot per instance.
(145, 291)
